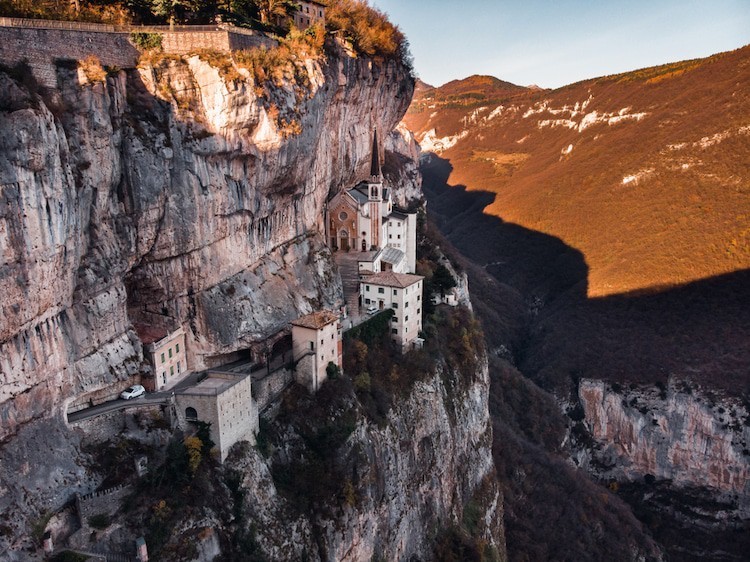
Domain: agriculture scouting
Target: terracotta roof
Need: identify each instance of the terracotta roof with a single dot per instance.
(391, 279)
(316, 320)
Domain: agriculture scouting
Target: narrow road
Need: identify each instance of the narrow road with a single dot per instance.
(114, 405)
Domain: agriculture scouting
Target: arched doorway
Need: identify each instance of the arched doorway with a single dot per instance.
(344, 239)
(191, 414)
(364, 245)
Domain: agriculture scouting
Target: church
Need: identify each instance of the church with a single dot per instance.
(364, 219)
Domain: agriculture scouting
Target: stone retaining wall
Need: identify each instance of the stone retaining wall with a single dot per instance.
(40, 46)
(103, 502)
(267, 389)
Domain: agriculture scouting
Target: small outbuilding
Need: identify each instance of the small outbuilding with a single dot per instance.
(225, 401)
(316, 343)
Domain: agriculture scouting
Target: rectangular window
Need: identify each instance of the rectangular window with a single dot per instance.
(419, 297)
(394, 331)
(419, 310)
(322, 358)
(395, 305)
(177, 348)
(171, 370)
(399, 237)
(367, 287)
(321, 341)
(381, 290)
(367, 301)
(312, 345)
(406, 305)
(331, 336)
(406, 318)
(179, 370)
(394, 292)
(162, 358)
(170, 352)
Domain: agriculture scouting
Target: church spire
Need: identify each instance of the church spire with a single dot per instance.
(375, 166)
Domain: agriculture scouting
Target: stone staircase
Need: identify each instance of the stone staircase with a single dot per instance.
(349, 270)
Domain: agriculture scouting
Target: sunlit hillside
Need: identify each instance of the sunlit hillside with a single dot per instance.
(646, 173)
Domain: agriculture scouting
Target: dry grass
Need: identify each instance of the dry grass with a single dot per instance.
(683, 221)
(369, 29)
(629, 281)
(93, 69)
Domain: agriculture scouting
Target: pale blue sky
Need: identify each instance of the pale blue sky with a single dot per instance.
(552, 43)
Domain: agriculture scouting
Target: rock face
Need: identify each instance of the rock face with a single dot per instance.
(414, 476)
(678, 433)
(174, 195)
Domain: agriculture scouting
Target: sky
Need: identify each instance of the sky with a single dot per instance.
(551, 43)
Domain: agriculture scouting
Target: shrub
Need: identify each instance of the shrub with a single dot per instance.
(93, 69)
(147, 41)
(99, 521)
(369, 30)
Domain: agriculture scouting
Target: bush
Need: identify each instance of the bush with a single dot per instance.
(99, 521)
(369, 30)
(147, 41)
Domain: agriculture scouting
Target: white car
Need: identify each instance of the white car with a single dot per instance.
(133, 392)
(371, 310)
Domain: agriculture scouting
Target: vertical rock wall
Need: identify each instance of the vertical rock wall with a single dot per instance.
(170, 193)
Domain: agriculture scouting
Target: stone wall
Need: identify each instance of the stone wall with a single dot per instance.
(103, 502)
(267, 389)
(42, 46)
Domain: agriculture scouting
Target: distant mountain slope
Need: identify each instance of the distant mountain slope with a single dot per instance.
(646, 173)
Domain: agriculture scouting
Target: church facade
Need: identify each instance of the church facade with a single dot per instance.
(363, 219)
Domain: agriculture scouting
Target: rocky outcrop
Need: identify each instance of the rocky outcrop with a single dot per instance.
(414, 475)
(170, 194)
(402, 165)
(684, 434)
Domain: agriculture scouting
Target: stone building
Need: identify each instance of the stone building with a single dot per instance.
(316, 342)
(309, 12)
(166, 353)
(225, 401)
(401, 292)
(363, 219)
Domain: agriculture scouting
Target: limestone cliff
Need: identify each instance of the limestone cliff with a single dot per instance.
(174, 194)
(394, 485)
(682, 433)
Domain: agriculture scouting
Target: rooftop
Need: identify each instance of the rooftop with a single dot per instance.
(213, 383)
(391, 279)
(392, 255)
(316, 320)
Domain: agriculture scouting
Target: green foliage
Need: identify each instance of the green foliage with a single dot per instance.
(147, 41)
(332, 370)
(314, 476)
(442, 279)
(38, 527)
(262, 442)
(99, 521)
(362, 381)
(371, 330)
